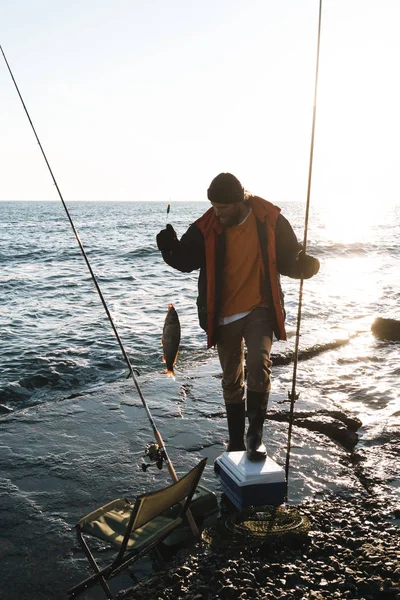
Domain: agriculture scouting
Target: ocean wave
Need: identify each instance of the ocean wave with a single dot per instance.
(339, 249)
(47, 385)
(142, 252)
(56, 338)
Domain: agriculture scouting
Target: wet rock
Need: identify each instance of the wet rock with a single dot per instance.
(292, 579)
(336, 425)
(229, 592)
(184, 571)
(288, 357)
(386, 329)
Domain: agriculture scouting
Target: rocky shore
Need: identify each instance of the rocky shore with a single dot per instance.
(344, 477)
(352, 550)
(352, 547)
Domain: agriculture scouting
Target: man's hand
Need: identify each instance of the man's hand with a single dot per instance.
(166, 239)
(308, 265)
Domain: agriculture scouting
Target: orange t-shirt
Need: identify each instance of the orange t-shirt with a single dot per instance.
(243, 276)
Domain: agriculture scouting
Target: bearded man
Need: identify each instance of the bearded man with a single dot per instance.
(242, 245)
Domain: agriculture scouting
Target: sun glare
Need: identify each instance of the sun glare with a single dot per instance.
(349, 223)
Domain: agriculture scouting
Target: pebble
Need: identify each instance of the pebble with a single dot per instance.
(348, 554)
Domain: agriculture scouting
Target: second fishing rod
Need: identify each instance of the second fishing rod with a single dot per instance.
(162, 451)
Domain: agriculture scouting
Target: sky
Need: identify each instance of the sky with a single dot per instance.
(149, 100)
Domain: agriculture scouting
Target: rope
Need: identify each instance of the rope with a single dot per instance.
(293, 395)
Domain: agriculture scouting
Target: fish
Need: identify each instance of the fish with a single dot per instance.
(170, 340)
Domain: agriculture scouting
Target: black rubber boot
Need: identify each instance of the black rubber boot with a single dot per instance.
(236, 416)
(256, 411)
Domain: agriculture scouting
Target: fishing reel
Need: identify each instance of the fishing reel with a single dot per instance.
(291, 397)
(153, 455)
(136, 371)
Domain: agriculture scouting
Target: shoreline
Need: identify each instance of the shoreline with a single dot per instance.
(74, 445)
(352, 549)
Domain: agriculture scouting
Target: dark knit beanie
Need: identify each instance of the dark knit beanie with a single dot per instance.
(224, 189)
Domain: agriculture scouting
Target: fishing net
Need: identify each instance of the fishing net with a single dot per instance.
(257, 526)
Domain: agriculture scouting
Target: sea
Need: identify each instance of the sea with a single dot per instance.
(73, 432)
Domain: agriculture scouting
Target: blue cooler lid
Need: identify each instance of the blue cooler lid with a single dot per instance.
(245, 472)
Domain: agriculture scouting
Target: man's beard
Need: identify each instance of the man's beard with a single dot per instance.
(232, 220)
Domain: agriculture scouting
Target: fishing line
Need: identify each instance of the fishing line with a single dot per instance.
(157, 434)
(293, 395)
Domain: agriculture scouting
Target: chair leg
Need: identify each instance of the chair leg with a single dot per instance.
(90, 582)
(102, 581)
(132, 576)
(98, 577)
(157, 556)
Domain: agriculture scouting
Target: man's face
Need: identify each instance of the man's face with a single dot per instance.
(228, 214)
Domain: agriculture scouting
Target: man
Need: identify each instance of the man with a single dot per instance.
(241, 245)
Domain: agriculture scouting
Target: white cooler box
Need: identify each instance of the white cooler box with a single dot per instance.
(249, 483)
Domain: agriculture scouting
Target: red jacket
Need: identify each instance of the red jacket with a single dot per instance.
(203, 247)
(209, 225)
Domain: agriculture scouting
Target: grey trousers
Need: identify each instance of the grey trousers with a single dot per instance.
(254, 330)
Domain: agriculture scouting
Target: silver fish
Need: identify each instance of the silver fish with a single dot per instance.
(171, 338)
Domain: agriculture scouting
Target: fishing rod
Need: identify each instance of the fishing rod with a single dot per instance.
(168, 209)
(160, 452)
(293, 395)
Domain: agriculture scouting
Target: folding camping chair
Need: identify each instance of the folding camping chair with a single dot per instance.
(136, 528)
